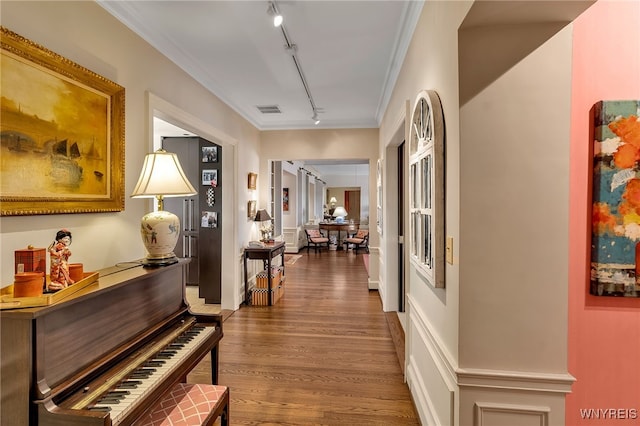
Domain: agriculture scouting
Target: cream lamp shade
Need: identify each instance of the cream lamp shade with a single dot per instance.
(339, 213)
(333, 201)
(161, 176)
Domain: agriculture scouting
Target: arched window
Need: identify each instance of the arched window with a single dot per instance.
(426, 168)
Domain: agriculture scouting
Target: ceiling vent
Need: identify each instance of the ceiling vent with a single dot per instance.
(269, 109)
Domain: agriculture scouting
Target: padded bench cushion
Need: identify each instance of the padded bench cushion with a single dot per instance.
(186, 405)
(354, 240)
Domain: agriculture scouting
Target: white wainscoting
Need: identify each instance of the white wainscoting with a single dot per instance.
(374, 268)
(430, 370)
(502, 398)
(292, 239)
(448, 395)
(491, 414)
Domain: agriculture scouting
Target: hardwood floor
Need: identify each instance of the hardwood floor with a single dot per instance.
(322, 355)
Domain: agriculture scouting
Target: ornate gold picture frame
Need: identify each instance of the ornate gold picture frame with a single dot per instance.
(61, 134)
(253, 178)
(251, 209)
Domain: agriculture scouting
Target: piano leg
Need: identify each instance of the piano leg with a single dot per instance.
(214, 365)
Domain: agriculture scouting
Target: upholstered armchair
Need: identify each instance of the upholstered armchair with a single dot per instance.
(316, 239)
(359, 241)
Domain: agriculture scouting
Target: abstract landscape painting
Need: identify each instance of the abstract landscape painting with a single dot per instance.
(615, 214)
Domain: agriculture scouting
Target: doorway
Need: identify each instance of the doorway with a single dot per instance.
(192, 126)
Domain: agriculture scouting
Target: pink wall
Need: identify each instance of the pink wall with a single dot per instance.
(604, 332)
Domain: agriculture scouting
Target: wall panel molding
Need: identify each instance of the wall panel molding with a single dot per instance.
(445, 361)
(515, 380)
(290, 236)
(430, 369)
(506, 414)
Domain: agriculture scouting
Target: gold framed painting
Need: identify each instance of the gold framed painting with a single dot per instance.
(253, 178)
(61, 134)
(251, 209)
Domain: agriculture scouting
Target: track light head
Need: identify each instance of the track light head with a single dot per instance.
(277, 16)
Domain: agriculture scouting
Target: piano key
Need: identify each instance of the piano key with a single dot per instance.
(130, 384)
(99, 408)
(196, 335)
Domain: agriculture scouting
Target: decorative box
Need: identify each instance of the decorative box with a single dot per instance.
(32, 259)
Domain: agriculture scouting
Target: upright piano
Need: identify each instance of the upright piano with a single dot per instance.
(106, 354)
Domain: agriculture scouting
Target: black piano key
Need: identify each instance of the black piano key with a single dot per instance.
(141, 374)
(162, 355)
(99, 408)
(155, 363)
(115, 393)
(110, 401)
(129, 384)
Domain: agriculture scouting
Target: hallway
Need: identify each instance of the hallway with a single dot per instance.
(322, 355)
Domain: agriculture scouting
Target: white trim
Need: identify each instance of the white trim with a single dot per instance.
(445, 362)
(424, 405)
(515, 380)
(410, 20)
(158, 107)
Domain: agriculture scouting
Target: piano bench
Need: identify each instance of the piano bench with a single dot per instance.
(190, 405)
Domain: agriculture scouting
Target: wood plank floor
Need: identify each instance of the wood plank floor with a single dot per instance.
(323, 355)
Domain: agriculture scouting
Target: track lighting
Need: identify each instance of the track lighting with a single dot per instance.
(273, 11)
(291, 49)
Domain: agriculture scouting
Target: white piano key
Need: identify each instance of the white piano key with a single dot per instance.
(120, 410)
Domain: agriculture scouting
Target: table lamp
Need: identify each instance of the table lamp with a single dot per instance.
(333, 202)
(262, 216)
(339, 213)
(161, 176)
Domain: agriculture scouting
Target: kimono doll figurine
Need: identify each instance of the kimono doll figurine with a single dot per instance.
(60, 253)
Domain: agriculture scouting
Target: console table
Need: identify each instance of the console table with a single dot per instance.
(336, 227)
(265, 253)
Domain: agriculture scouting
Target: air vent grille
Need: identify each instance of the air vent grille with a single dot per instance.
(269, 109)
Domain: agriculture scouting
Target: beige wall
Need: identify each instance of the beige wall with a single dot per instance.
(432, 331)
(491, 348)
(86, 34)
(503, 313)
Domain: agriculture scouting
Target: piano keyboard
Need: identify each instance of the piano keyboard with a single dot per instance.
(120, 394)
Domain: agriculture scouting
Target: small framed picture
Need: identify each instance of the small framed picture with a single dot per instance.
(285, 199)
(209, 154)
(209, 219)
(251, 209)
(253, 178)
(210, 177)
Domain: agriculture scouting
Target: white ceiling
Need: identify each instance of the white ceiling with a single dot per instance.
(349, 51)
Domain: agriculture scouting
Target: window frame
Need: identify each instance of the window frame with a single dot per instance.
(426, 192)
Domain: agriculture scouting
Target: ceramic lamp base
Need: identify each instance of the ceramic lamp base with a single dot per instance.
(160, 231)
